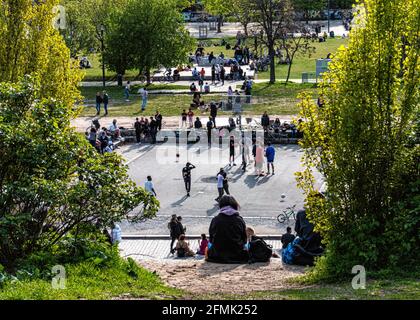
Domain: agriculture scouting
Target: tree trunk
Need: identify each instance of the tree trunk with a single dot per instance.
(272, 64)
(219, 24)
(148, 78)
(245, 25)
(289, 67)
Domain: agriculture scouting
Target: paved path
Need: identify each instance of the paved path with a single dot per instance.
(259, 196)
(159, 249)
(230, 29)
(216, 88)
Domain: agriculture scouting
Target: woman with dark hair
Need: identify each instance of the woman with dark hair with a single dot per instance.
(228, 234)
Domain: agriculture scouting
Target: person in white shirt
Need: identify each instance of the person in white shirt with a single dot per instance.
(144, 96)
(116, 234)
(149, 187)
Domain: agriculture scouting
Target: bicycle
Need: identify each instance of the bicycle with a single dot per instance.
(287, 214)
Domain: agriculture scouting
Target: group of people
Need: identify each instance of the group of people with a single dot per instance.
(278, 127)
(148, 128)
(102, 139)
(232, 241)
(102, 98)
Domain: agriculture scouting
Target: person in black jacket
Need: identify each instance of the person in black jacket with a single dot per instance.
(228, 234)
(265, 121)
(175, 231)
(213, 112)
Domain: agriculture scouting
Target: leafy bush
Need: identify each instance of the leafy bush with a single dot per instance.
(365, 141)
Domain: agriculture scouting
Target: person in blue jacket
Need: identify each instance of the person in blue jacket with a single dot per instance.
(270, 153)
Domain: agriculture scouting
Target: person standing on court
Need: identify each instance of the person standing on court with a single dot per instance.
(186, 174)
(220, 180)
(209, 128)
(158, 118)
(232, 151)
(270, 153)
(105, 99)
(213, 112)
(138, 127)
(153, 129)
(149, 187)
(174, 230)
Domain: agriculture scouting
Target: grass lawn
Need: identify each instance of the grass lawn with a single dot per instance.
(300, 64)
(304, 63)
(276, 99)
(87, 281)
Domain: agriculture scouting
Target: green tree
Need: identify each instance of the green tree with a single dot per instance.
(274, 19)
(365, 141)
(30, 44)
(219, 8)
(147, 34)
(52, 180)
(84, 20)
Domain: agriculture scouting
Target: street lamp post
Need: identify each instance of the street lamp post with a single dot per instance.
(102, 53)
(328, 16)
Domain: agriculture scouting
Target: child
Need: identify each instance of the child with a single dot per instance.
(183, 247)
(250, 234)
(203, 245)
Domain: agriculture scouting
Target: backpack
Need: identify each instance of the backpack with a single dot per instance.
(289, 253)
(259, 250)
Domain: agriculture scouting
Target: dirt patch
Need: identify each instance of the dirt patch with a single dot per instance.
(198, 276)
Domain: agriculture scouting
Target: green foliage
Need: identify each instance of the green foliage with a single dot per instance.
(51, 179)
(146, 34)
(96, 272)
(29, 44)
(84, 20)
(363, 140)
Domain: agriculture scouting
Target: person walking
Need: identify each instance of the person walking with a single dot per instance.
(209, 126)
(144, 97)
(201, 84)
(259, 160)
(138, 128)
(105, 99)
(213, 112)
(149, 186)
(270, 153)
(127, 91)
(232, 151)
(186, 174)
(220, 180)
(222, 74)
(213, 74)
(225, 182)
(98, 103)
(158, 118)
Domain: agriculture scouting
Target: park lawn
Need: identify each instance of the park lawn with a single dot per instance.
(305, 63)
(86, 280)
(276, 99)
(300, 64)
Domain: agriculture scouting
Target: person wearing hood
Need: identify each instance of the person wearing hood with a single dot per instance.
(227, 234)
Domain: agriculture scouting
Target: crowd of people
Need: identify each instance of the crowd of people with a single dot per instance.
(232, 241)
(103, 139)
